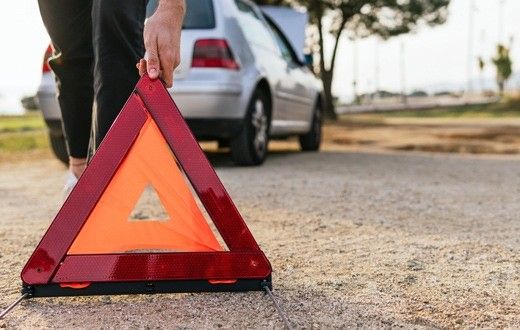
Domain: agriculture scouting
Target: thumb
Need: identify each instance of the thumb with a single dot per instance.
(152, 63)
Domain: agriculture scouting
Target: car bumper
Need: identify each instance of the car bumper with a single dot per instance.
(212, 110)
(49, 105)
(194, 102)
(47, 98)
(208, 100)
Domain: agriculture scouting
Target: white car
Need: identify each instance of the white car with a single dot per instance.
(241, 81)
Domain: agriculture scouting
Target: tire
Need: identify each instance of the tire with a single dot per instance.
(249, 147)
(223, 143)
(311, 141)
(59, 147)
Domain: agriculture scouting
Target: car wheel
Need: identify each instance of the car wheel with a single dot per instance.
(59, 147)
(249, 147)
(311, 141)
(223, 143)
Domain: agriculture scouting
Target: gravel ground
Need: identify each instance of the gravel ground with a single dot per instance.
(356, 239)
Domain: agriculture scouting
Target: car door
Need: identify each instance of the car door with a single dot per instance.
(267, 56)
(297, 91)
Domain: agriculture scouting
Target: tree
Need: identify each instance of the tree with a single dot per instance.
(504, 66)
(362, 18)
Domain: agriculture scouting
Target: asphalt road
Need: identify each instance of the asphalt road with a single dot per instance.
(355, 240)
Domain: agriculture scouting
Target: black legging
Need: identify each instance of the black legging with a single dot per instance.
(97, 44)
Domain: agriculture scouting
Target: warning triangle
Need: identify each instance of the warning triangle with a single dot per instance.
(94, 239)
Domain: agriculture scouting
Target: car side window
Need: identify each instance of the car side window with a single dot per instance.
(282, 43)
(254, 27)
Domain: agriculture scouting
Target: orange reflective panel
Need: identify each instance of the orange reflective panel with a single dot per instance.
(109, 228)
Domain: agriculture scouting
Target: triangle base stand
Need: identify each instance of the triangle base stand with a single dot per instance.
(149, 287)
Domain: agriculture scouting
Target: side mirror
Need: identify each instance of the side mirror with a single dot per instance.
(309, 60)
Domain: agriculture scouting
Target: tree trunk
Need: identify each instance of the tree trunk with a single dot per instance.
(329, 108)
(501, 86)
(325, 75)
(328, 74)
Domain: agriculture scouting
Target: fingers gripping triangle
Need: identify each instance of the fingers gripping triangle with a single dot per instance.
(91, 240)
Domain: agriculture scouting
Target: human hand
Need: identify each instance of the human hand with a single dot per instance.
(162, 34)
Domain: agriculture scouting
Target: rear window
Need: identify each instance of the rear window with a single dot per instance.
(199, 15)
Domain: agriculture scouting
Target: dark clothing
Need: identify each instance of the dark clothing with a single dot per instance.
(97, 44)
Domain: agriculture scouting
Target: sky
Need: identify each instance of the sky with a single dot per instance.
(23, 39)
(435, 58)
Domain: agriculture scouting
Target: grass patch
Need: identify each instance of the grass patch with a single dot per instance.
(23, 141)
(29, 122)
(496, 110)
(22, 133)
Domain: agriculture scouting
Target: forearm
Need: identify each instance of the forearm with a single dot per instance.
(174, 10)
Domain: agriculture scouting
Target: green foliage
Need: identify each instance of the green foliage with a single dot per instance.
(363, 18)
(504, 66)
(27, 122)
(23, 141)
(385, 18)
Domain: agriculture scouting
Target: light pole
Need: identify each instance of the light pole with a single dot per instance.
(377, 68)
(471, 27)
(403, 71)
(481, 61)
(355, 72)
(501, 4)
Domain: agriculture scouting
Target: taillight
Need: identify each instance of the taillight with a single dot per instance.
(45, 66)
(213, 53)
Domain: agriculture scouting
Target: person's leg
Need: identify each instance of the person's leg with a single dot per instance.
(69, 24)
(118, 45)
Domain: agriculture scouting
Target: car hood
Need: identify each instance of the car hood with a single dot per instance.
(292, 23)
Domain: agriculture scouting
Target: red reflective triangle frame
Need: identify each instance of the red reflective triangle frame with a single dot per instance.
(243, 267)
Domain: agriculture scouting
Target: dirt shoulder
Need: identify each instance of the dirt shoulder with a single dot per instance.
(450, 135)
(356, 239)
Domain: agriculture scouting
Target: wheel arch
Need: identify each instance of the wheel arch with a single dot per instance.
(264, 86)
